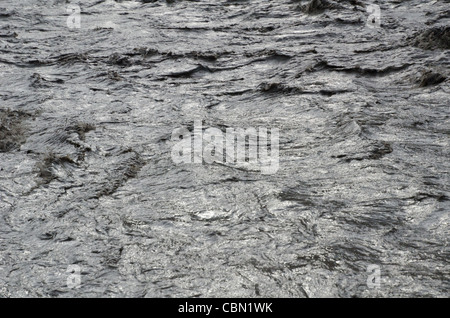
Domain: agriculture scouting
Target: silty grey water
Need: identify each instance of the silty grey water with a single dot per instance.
(87, 177)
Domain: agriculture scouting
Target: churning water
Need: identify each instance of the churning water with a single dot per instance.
(90, 98)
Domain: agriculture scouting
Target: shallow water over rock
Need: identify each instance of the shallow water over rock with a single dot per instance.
(87, 177)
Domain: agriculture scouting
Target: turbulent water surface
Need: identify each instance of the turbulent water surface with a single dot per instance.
(87, 177)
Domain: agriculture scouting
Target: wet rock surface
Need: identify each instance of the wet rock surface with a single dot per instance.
(87, 178)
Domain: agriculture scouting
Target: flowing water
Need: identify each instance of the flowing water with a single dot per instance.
(87, 179)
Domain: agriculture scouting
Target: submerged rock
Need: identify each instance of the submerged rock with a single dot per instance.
(12, 130)
(435, 38)
(317, 6)
(430, 78)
